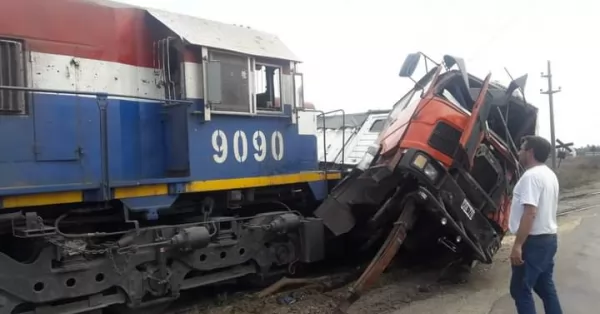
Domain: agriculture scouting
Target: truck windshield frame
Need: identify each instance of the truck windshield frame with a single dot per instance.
(423, 85)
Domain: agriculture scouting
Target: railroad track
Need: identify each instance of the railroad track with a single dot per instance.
(577, 209)
(580, 207)
(277, 294)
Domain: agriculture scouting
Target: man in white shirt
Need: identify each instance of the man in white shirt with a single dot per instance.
(533, 221)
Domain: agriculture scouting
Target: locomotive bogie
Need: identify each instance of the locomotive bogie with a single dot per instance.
(150, 263)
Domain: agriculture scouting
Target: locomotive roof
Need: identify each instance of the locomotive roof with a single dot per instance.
(208, 33)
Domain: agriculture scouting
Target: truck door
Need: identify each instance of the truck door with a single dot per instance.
(474, 130)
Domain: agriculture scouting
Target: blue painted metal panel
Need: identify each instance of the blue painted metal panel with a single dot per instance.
(176, 128)
(128, 141)
(18, 168)
(16, 141)
(56, 140)
(151, 137)
(21, 171)
(216, 152)
(135, 141)
(143, 143)
(319, 189)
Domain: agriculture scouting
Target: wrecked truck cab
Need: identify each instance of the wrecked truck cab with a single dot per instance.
(440, 173)
(449, 143)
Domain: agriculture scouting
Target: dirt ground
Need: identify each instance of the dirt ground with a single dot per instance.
(576, 173)
(401, 291)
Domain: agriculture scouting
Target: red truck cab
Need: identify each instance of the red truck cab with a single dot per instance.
(449, 142)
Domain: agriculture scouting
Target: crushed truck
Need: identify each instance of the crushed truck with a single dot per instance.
(440, 174)
(343, 139)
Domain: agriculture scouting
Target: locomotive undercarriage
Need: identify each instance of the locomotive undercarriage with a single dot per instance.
(86, 259)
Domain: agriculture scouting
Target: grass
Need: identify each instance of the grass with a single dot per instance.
(579, 171)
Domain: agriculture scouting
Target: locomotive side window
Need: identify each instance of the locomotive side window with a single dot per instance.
(232, 80)
(12, 73)
(267, 87)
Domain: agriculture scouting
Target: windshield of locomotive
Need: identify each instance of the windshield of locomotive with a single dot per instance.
(412, 98)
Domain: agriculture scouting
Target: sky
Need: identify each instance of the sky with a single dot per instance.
(352, 50)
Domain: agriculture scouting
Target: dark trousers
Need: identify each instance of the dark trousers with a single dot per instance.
(536, 274)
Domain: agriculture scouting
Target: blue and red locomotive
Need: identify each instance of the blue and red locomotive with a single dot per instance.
(144, 153)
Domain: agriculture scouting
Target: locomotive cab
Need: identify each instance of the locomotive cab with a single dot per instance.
(230, 81)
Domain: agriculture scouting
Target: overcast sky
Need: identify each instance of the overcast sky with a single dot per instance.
(352, 49)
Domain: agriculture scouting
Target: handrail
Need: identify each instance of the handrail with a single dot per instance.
(343, 131)
(97, 94)
(323, 114)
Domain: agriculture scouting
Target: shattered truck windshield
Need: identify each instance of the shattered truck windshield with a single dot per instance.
(412, 97)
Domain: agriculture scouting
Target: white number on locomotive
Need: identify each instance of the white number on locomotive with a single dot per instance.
(240, 146)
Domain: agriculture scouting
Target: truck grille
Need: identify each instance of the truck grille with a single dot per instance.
(445, 138)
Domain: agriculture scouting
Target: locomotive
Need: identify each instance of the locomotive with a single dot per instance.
(144, 153)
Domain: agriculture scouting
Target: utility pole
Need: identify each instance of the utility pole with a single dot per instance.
(550, 92)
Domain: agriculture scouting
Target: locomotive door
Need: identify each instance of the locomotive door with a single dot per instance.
(175, 115)
(56, 121)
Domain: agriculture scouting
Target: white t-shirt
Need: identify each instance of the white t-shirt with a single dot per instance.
(538, 186)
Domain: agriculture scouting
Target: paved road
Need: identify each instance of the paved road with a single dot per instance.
(577, 274)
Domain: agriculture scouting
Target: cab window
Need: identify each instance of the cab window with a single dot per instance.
(267, 87)
(234, 83)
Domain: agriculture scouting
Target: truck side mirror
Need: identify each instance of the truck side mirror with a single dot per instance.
(518, 83)
(410, 64)
(450, 61)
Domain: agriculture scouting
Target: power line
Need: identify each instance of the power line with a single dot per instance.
(551, 92)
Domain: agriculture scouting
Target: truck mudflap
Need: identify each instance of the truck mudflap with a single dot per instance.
(356, 197)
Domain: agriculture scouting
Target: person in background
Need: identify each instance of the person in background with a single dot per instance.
(533, 221)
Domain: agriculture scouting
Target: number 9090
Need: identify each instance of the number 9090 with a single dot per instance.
(260, 146)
